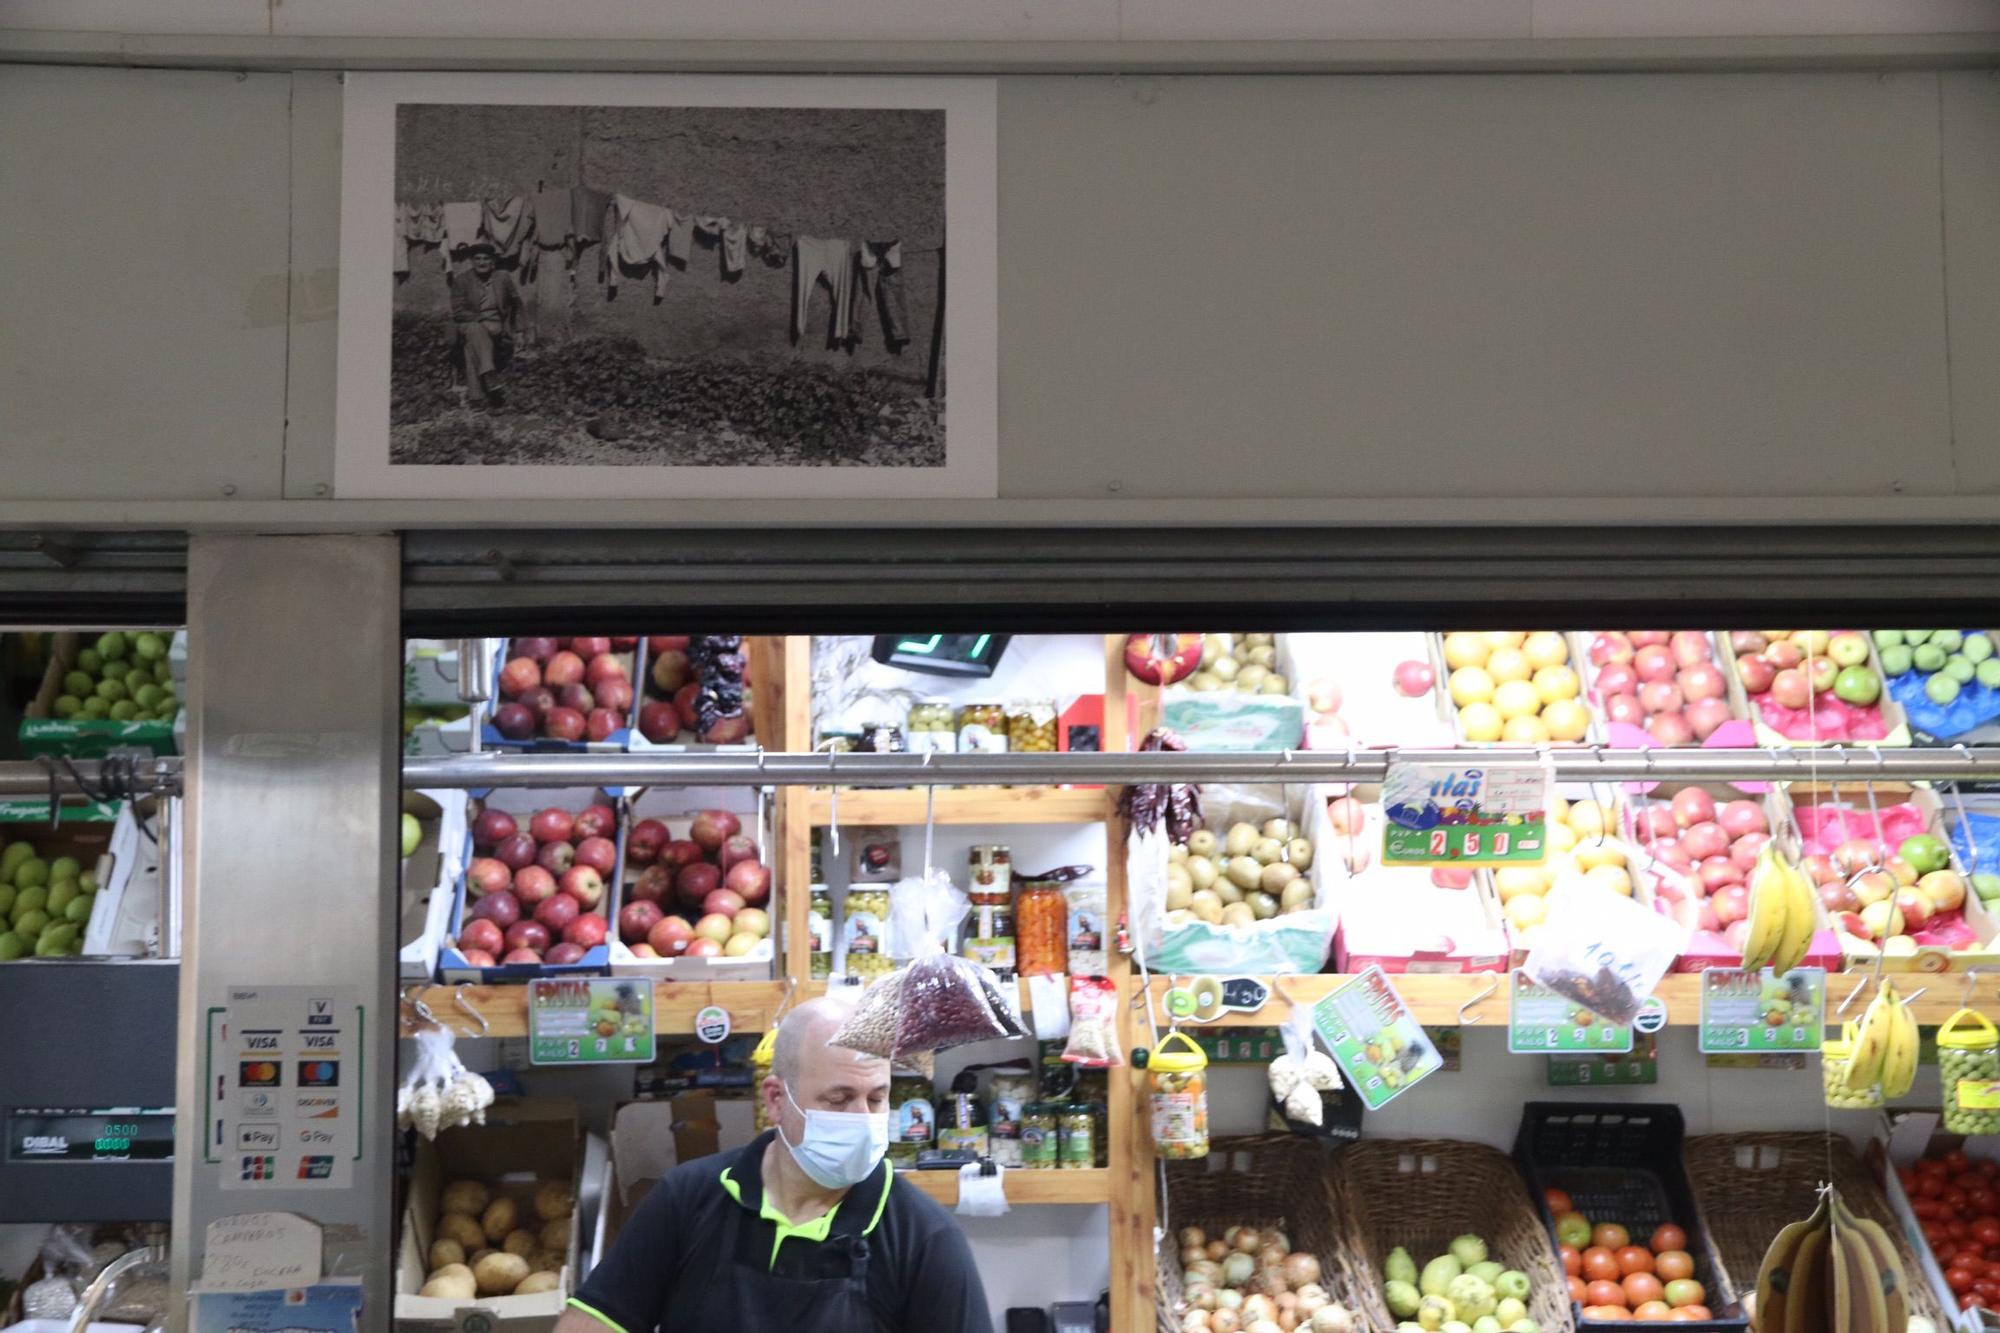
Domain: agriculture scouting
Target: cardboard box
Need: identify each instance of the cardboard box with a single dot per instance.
(649, 1139)
(430, 671)
(439, 737)
(429, 879)
(523, 1145)
(1447, 709)
(1737, 733)
(126, 918)
(1902, 1136)
(491, 737)
(1894, 721)
(86, 833)
(522, 802)
(645, 692)
(1372, 711)
(42, 732)
(675, 807)
(1397, 919)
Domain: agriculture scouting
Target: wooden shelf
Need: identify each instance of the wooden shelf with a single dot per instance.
(751, 1005)
(1022, 1187)
(963, 805)
(1436, 1000)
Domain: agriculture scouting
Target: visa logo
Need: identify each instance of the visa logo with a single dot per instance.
(319, 1041)
(262, 1043)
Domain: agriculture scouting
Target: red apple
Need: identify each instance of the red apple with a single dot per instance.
(600, 854)
(659, 722)
(1820, 869)
(1689, 647)
(528, 934)
(1647, 638)
(1743, 642)
(1784, 653)
(603, 667)
(487, 875)
(539, 701)
(602, 724)
(583, 884)
(502, 909)
(723, 902)
(1706, 715)
(1736, 934)
(1731, 903)
(484, 935)
(492, 827)
(553, 825)
(1693, 806)
(478, 958)
(515, 850)
(587, 930)
(555, 857)
(1451, 877)
(1654, 821)
(1670, 728)
(642, 950)
(1413, 679)
(684, 703)
(520, 674)
(636, 920)
(679, 852)
(1706, 919)
(653, 885)
(1672, 853)
(557, 912)
(532, 885)
(564, 724)
(741, 847)
(514, 721)
(578, 697)
(701, 946)
(1704, 680)
(589, 645)
(1744, 851)
(1660, 696)
(750, 880)
(1654, 662)
(1618, 678)
(643, 843)
(1756, 674)
(1852, 923)
(624, 643)
(1839, 897)
(565, 668)
(522, 956)
(1743, 816)
(565, 954)
(1791, 688)
(670, 671)
(1625, 708)
(666, 643)
(696, 882)
(538, 649)
(1718, 872)
(727, 730)
(615, 694)
(670, 936)
(596, 821)
(1705, 840)
(714, 926)
(1610, 647)
(711, 828)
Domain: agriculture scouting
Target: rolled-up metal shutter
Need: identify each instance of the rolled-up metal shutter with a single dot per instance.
(99, 578)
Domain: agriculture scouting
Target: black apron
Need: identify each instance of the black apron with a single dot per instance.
(823, 1288)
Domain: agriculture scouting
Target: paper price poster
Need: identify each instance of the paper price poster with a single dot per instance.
(326, 1307)
(1757, 1013)
(1465, 814)
(591, 1020)
(1541, 1021)
(284, 1074)
(1380, 1047)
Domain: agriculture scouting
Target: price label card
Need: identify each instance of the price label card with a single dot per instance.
(1978, 1094)
(1465, 814)
(1756, 1013)
(1541, 1022)
(1640, 1065)
(590, 1021)
(1380, 1047)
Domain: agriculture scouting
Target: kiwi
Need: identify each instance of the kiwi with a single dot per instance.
(1242, 837)
(1268, 851)
(1244, 872)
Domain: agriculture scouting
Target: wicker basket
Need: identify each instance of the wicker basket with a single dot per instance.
(1750, 1186)
(1266, 1180)
(1421, 1194)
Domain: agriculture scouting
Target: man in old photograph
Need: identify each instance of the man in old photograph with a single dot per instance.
(486, 317)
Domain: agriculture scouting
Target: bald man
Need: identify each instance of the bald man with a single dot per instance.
(806, 1230)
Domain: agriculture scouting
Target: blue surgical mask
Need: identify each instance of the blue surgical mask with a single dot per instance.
(839, 1148)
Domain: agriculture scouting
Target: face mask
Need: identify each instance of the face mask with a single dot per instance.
(840, 1148)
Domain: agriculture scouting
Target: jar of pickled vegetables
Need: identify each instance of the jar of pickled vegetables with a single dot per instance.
(982, 729)
(1041, 929)
(992, 876)
(1041, 1137)
(1031, 726)
(1968, 1067)
(819, 931)
(912, 1119)
(1177, 1076)
(863, 929)
(1835, 1057)
(1077, 1126)
(932, 727)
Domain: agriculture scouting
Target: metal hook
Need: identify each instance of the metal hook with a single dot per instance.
(1492, 984)
(55, 791)
(784, 1000)
(1965, 817)
(1971, 983)
(458, 999)
(1852, 996)
(413, 997)
(1914, 995)
(930, 817)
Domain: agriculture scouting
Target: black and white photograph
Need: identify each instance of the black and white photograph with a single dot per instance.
(726, 287)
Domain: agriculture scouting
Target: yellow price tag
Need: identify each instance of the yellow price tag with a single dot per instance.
(1979, 1094)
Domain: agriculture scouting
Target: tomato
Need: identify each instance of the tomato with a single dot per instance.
(1959, 1279)
(1956, 1161)
(1697, 1311)
(1652, 1310)
(1987, 1287)
(1558, 1202)
(1954, 1197)
(1578, 1290)
(1610, 1235)
(1987, 1232)
(1640, 1288)
(1601, 1265)
(1674, 1264)
(1931, 1186)
(1685, 1292)
(1968, 1301)
(1987, 1167)
(1635, 1259)
(1669, 1237)
(1937, 1233)
(1572, 1261)
(1573, 1229)
(1607, 1293)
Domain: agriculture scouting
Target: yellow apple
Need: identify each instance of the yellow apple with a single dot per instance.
(1546, 648)
(1566, 720)
(1556, 682)
(1481, 722)
(1470, 685)
(1465, 650)
(1517, 698)
(1509, 664)
(1524, 731)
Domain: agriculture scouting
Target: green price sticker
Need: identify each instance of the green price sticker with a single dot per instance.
(1380, 1047)
(590, 1021)
(1542, 1022)
(1640, 1065)
(1465, 814)
(1759, 1013)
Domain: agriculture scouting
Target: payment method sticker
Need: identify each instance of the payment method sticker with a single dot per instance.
(283, 1082)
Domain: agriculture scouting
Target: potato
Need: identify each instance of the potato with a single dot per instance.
(453, 1282)
(552, 1201)
(463, 1229)
(555, 1235)
(501, 1216)
(535, 1282)
(521, 1242)
(498, 1274)
(548, 1261)
(445, 1253)
(466, 1196)
(479, 1254)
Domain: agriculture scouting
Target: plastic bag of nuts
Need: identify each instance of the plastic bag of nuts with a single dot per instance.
(935, 1002)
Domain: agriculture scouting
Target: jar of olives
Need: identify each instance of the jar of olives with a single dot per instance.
(1041, 1137)
(982, 729)
(932, 727)
(1077, 1126)
(1177, 1075)
(863, 929)
(1031, 726)
(819, 931)
(1968, 1066)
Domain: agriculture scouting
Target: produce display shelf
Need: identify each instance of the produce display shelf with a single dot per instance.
(1022, 1187)
(1436, 1000)
(963, 805)
(751, 1005)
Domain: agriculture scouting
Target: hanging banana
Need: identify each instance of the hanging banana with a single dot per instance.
(1783, 913)
(1871, 1046)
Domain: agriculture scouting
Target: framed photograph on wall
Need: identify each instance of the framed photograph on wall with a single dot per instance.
(662, 286)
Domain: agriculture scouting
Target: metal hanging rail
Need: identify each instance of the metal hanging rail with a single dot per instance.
(144, 776)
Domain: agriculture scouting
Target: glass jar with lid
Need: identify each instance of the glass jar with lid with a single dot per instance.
(992, 876)
(1041, 1137)
(1031, 726)
(982, 728)
(932, 727)
(1177, 1078)
(1077, 1137)
(1041, 921)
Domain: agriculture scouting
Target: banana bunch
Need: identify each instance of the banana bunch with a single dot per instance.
(1833, 1270)
(1885, 1050)
(1783, 913)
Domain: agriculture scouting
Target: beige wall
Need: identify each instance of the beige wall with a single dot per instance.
(1529, 297)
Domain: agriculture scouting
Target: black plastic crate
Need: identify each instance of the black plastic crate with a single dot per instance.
(1622, 1164)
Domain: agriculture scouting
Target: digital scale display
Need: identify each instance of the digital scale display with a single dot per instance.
(969, 655)
(115, 1134)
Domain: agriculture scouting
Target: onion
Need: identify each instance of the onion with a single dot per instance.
(1237, 1268)
(1270, 1256)
(1248, 1239)
(1207, 1271)
(1224, 1321)
(1313, 1291)
(1264, 1326)
(1332, 1319)
(1228, 1299)
(1268, 1282)
(1300, 1268)
(1193, 1238)
(1217, 1250)
(1279, 1239)
(1193, 1254)
(1308, 1304)
(1288, 1320)
(1259, 1307)
(1229, 1236)
(1194, 1321)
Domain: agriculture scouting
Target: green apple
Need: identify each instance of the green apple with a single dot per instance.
(1925, 853)
(111, 691)
(1978, 647)
(1942, 689)
(1888, 638)
(97, 706)
(68, 705)
(1986, 885)
(12, 946)
(1960, 668)
(1913, 637)
(1857, 685)
(1948, 639)
(89, 659)
(149, 647)
(1928, 657)
(1512, 1284)
(1897, 660)
(28, 925)
(1847, 648)
(413, 833)
(79, 683)
(78, 910)
(1988, 673)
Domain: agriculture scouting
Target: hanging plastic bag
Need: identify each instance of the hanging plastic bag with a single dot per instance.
(438, 1092)
(1303, 1072)
(1603, 950)
(936, 1001)
(1093, 1023)
(924, 914)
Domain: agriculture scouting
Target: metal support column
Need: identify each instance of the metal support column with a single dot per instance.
(289, 853)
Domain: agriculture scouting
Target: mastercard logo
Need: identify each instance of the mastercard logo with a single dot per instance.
(259, 1074)
(319, 1073)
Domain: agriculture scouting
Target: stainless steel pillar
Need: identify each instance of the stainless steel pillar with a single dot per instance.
(289, 853)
